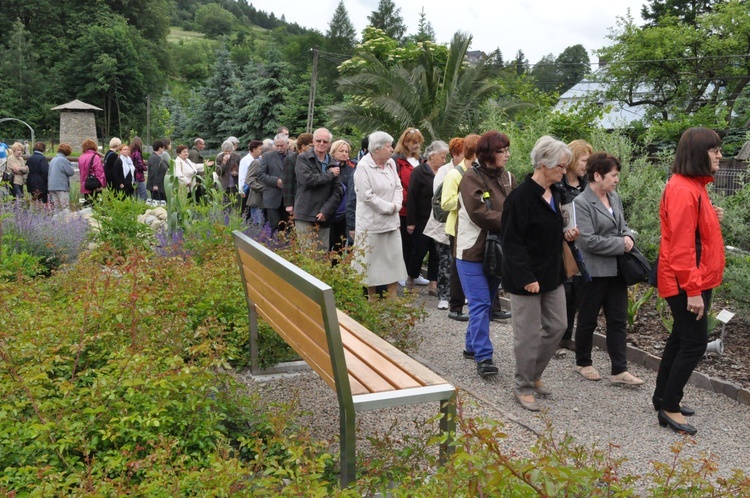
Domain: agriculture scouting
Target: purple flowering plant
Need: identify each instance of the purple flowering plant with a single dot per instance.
(35, 229)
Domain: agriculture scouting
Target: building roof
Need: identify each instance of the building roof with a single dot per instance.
(620, 114)
(76, 105)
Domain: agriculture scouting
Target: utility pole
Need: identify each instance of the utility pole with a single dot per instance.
(148, 120)
(311, 102)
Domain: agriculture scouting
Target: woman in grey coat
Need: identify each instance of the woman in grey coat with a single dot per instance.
(58, 178)
(604, 236)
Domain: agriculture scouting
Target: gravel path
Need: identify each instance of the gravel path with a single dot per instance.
(591, 412)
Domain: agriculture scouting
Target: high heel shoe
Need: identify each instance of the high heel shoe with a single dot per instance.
(684, 409)
(665, 421)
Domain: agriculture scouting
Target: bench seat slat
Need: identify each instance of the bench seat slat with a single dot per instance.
(375, 363)
(256, 272)
(372, 380)
(425, 376)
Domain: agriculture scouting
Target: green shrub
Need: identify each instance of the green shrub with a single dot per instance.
(119, 230)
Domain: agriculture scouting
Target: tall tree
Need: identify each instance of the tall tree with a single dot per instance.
(678, 69)
(546, 77)
(521, 63)
(214, 117)
(439, 99)
(388, 18)
(341, 36)
(425, 32)
(259, 104)
(685, 10)
(572, 65)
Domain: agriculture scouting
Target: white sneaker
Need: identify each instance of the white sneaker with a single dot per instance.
(402, 283)
(443, 305)
(420, 280)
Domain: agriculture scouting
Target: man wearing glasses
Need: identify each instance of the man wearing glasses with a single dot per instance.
(319, 190)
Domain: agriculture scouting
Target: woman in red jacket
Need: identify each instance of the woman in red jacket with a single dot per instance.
(691, 265)
(406, 155)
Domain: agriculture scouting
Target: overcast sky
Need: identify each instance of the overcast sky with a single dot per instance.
(538, 27)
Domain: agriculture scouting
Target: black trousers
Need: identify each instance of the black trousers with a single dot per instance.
(406, 241)
(421, 245)
(685, 347)
(277, 216)
(571, 306)
(609, 293)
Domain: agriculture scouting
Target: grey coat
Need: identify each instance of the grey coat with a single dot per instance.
(318, 191)
(602, 232)
(60, 171)
(255, 193)
(271, 170)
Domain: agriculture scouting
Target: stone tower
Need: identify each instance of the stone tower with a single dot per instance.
(77, 123)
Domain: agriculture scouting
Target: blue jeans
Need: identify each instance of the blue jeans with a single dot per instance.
(480, 290)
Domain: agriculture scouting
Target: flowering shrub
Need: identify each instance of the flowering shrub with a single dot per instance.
(34, 229)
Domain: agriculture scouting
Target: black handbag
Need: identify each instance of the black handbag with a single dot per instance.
(7, 175)
(493, 251)
(633, 267)
(92, 182)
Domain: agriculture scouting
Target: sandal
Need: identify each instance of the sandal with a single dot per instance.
(589, 373)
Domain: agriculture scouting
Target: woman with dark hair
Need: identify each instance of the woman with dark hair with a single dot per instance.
(572, 184)
(36, 182)
(691, 264)
(481, 196)
(58, 180)
(604, 236)
(136, 154)
(123, 172)
(532, 237)
(90, 162)
(407, 155)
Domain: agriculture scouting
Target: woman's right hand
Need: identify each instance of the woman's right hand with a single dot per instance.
(695, 305)
(533, 287)
(629, 244)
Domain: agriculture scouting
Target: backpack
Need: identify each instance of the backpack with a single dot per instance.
(437, 210)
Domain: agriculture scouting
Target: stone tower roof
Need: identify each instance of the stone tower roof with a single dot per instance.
(76, 105)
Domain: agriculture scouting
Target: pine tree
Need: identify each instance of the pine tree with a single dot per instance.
(214, 117)
(388, 18)
(341, 36)
(259, 104)
(572, 65)
(425, 32)
(521, 63)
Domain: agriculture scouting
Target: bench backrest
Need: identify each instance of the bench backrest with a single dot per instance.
(298, 306)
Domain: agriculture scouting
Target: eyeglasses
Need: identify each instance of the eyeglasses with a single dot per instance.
(504, 150)
(715, 150)
(319, 141)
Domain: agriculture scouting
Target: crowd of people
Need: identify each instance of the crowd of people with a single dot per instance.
(384, 198)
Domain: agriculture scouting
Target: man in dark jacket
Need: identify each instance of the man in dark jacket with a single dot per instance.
(271, 175)
(319, 190)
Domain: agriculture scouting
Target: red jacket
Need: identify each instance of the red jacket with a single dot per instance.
(685, 207)
(404, 168)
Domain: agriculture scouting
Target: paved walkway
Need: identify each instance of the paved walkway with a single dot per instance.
(617, 418)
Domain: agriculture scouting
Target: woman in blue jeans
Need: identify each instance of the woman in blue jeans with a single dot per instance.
(485, 181)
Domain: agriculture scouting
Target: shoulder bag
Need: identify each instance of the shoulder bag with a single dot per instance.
(493, 251)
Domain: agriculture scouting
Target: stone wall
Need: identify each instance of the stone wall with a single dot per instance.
(75, 127)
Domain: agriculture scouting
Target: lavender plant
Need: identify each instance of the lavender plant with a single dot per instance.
(35, 229)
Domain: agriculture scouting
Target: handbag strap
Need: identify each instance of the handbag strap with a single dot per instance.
(486, 194)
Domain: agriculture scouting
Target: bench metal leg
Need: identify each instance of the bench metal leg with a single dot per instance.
(252, 315)
(348, 445)
(447, 426)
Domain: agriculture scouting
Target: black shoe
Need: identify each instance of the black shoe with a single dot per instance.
(486, 368)
(665, 421)
(501, 315)
(469, 355)
(567, 344)
(684, 409)
(459, 316)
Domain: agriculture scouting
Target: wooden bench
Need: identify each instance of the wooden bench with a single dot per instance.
(365, 371)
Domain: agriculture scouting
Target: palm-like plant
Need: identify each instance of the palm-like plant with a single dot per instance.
(440, 100)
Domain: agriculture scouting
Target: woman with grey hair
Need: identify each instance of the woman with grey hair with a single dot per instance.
(418, 213)
(533, 272)
(227, 171)
(379, 198)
